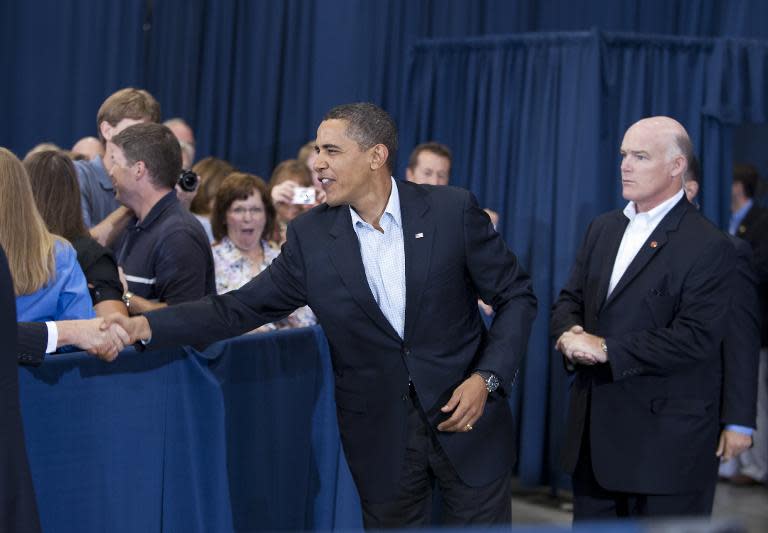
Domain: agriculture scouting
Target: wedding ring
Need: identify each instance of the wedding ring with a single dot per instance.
(468, 427)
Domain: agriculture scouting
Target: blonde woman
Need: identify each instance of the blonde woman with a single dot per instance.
(47, 280)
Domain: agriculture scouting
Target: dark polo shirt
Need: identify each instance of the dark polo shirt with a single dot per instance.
(167, 257)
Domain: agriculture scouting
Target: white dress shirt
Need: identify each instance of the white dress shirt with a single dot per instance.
(640, 227)
(384, 260)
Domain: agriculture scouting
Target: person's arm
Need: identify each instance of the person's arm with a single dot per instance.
(698, 326)
(106, 231)
(35, 339)
(139, 305)
(107, 307)
(740, 351)
(500, 281)
(268, 297)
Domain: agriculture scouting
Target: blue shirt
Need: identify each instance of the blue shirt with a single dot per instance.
(65, 297)
(97, 192)
(383, 257)
(738, 216)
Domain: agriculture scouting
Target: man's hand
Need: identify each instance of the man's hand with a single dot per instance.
(137, 328)
(467, 403)
(581, 347)
(732, 443)
(94, 336)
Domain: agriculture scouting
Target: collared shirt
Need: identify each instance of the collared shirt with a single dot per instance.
(97, 192)
(384, 260)
(640, 227)
(63, 297)
(166, 257)
(738, 217)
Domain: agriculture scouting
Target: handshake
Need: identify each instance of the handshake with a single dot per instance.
(580, 347)
(103, 337)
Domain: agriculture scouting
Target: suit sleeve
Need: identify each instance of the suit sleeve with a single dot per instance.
(32, 340)
(502, 283)
(741, 345)
(698, 326)
(272, 295)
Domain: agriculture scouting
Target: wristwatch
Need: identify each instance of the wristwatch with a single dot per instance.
(127, 295)
(491, 381)
(603, 346)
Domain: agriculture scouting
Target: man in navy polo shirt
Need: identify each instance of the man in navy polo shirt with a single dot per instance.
(165, 254)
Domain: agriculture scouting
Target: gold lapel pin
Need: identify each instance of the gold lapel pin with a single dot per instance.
(654, 244)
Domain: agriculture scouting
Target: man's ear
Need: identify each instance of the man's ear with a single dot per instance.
(106, 130)
(140, 169)
(379, 155)
(679, 166)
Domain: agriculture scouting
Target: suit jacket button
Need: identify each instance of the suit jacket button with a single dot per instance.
(406, 351)
(405, 397)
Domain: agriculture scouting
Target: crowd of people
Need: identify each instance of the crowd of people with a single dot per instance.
(659, 323)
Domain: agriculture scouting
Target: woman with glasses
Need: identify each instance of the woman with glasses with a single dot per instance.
(243, 218)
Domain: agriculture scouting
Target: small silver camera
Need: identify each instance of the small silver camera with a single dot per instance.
(304, 196)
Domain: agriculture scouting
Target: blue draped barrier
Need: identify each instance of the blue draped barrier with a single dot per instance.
(240, 437)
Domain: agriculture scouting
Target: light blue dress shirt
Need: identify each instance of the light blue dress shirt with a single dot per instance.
(738, 216)
(384, 260)
(63, 298)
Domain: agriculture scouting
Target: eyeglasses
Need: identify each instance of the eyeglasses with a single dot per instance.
(241, 211)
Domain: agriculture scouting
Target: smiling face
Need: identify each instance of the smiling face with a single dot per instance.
(651, 164)
(121, 173)
(245, 221)
(344, 169)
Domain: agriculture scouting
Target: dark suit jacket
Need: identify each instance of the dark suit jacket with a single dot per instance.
(741, 345)
(32, 341)
(18, 509)
(653, 410)
(754, 230)
(452, 256)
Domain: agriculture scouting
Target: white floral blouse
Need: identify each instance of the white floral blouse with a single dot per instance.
(233, 270)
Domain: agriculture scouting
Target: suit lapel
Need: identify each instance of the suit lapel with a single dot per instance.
(651, 247)
(418, 238)
(611, 245)
(344, 253)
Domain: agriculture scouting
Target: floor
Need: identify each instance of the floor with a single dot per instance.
(745, 505)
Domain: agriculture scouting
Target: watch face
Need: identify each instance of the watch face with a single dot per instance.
(492, 383)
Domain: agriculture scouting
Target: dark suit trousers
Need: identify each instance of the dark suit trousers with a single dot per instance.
(424, 464)
(593, 502)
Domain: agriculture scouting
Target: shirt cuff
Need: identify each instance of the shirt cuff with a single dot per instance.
(740, 429)
(53, 337)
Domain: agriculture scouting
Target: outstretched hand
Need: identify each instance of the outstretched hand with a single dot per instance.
(137, 327)
(94, 336)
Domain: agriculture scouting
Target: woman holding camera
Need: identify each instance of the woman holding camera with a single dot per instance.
(243, 218)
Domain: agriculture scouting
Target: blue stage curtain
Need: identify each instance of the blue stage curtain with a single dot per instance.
(535, 123)
(240, 72)
(255, 77)
(59, 61)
